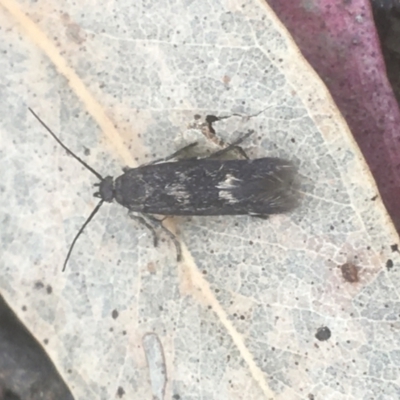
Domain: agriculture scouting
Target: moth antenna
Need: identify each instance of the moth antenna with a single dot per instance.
(65, 147)
(93, 213)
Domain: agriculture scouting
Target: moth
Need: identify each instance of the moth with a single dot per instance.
(196, 186)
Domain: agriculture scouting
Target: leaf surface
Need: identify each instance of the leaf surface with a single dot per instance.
(257, 309)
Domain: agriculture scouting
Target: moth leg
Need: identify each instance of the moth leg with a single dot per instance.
(234, 145)
(261, 216)
(143, 221)
(173, 155)
(170, 234)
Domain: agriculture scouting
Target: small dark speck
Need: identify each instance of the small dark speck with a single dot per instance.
(250, 242)
(39, 285)
(374, 198)
(124, 333)
(394, 248)
(176, 397)
(311, 397)
(24, 308)
(86, 151)
(323, 333)
(70, 371)
(389, 264)
(332, 227)
(120, 392)
(115, 314)
(46, 341)
(197, 116)
(349, 272)
(293, 140)
(49, 289)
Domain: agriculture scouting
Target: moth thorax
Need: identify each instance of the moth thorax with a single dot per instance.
(106, 189)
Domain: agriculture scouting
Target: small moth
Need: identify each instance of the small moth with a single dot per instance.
(197, 187)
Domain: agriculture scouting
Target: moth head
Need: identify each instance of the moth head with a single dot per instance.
(106, 189)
